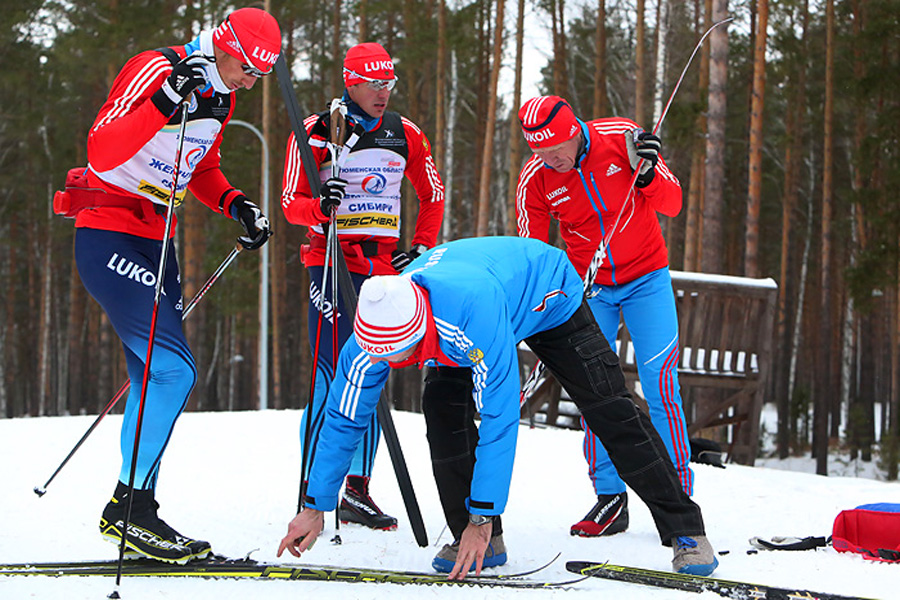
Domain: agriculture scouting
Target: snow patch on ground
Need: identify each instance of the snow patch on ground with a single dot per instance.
(232, 478)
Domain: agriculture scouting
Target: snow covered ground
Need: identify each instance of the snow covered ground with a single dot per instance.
(232, 478)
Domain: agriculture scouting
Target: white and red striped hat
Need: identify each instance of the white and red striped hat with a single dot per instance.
(547, 121)
(391, 315)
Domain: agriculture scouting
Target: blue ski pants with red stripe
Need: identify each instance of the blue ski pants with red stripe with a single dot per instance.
(647, 306)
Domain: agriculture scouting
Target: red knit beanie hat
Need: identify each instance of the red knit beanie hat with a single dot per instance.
(369, 60)
(547, 121)
(252, 36)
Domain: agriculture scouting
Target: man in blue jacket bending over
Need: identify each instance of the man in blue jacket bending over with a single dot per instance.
(467, 304)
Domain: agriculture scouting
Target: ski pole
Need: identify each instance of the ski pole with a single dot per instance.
(531, 384)
(338, 123)
(41, 490)
(308, 448)
(163, 257)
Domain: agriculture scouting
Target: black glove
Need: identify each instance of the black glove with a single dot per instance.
(400, 260)
(643, 145)
(333, 191)
(789, 543)
(254, 222)
(186, 76)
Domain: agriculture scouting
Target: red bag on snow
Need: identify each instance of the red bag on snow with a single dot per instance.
(872, 530)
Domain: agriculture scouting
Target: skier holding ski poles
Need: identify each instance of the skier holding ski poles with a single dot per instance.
(120, 203)
(363, 192)
(580, 175)
(467, 304)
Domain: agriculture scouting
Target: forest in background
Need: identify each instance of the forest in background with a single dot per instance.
(784, 135)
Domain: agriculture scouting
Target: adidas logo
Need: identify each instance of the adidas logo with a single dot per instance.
(612, 170)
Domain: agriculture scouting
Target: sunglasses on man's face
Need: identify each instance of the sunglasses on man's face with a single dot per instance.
(253, 71)
(247, 67)
(374, 84)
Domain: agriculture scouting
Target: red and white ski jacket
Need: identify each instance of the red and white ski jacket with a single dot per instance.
(587, 201)
(368, 219)
(131, 149)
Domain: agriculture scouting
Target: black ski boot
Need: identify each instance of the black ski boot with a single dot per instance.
(609, 516)
(358, 507)
(148, 535)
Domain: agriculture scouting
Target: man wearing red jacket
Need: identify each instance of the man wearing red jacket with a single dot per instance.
(381, 149)
(124, 193)
(580, 175)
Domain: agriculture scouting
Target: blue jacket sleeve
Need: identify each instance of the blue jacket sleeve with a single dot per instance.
(496, 394)
(352, 399)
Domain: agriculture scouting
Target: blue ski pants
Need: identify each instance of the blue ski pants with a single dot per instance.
(119, 270)
(647, 306)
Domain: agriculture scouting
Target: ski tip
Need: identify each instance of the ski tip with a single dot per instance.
(40, 491)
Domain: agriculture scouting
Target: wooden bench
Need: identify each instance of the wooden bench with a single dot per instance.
(725, 328)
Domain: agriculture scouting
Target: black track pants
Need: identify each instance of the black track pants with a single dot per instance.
(580, 358)
(452, 437)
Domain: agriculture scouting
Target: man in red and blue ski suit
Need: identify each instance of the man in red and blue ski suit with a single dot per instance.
(124, 194)
(580, 175)
(383, 148)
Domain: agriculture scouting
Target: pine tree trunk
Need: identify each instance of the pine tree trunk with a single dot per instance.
(515, 132)
(796, 120)
(640, 69)
(796, 336)
(758, 96)
(825, 389)
(562, 57)
(894, 425)
(450, 232)
(363, 21)
(659, 88)
(194, 225)
(438, 145)
(487, 157)
(713, 200)
(14, 404)
(5, 353)
(46, 293)
(558, 28)
(601, 96)
(482, 76)
(857, 408)
(694, 225)
(336, 78)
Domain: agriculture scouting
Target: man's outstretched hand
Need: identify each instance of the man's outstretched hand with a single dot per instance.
(302, 532)
(472, 546)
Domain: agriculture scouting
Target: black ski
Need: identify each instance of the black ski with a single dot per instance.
(738, 590)
(219, 567)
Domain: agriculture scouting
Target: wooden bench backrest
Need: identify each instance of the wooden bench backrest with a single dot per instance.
(724, 325)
